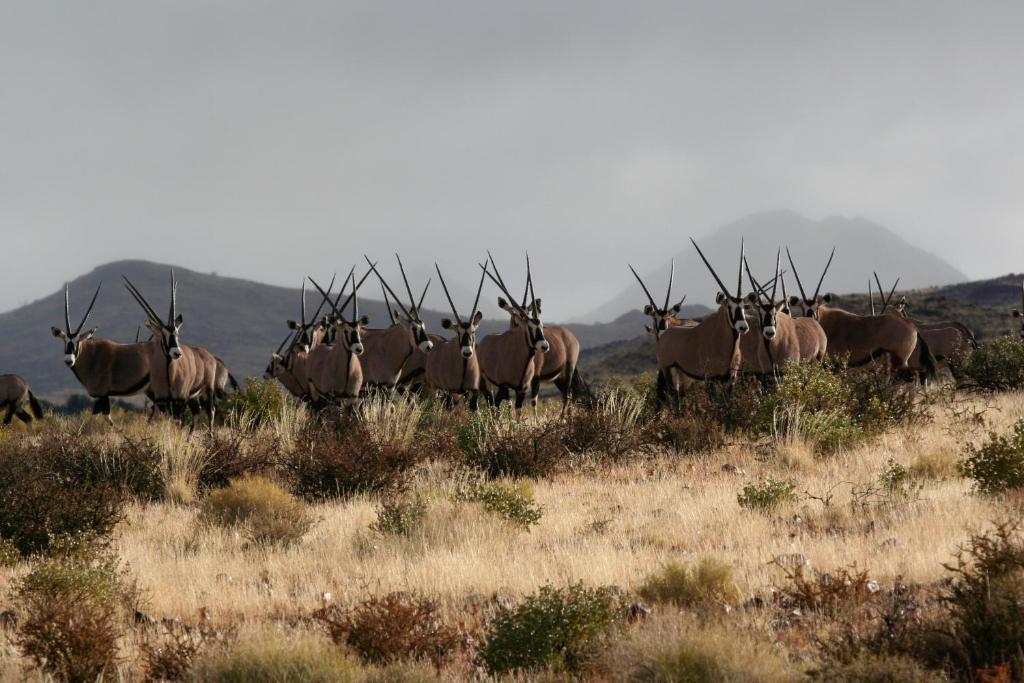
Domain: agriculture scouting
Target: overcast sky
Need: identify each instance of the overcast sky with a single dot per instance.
(268, 140)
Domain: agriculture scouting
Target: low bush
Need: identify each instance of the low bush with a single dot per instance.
(226, 455)
(267, 514)
(611, 429)
(393, 628)
(708, 583)
(767, 495)
(274, 658)
(258, 402)
(687, 432)
(513, 502)
(558, 628)
(171, 654)
(75, 606)
(997, 465)
(829, 594)
(872, 668)
(997, 365)
(400, 516)
(501, 446)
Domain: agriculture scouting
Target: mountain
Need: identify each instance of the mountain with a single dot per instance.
(238, 320)
(861, 247)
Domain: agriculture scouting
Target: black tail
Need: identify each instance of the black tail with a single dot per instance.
(233, 382)
(580, 389)
(33, 403)
(928, 358)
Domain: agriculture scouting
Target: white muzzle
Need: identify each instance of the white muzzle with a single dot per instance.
(69, 359)
(426, 346)
(769, 332)
(467, 351)
(175, 353)
(357, 349)
(742, 327)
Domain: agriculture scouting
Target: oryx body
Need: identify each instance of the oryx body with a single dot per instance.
(14, 395)
(453, 365)
(335, 371)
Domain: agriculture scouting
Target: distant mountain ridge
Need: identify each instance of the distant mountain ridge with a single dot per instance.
(861, 247)
(239, 320)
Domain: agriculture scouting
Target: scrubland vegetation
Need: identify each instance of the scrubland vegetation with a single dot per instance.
(839, 527)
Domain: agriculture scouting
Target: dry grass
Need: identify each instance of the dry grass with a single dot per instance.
(612, 527)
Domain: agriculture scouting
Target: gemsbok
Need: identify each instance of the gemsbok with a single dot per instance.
(508, 359)
(289, 366)
(335, 371)
(709, 350)
(453, 366)
(103, 367)
(777, 342)
(387, 352)
(14, 395)
(180, 376)
(858, 339)
(813, 341)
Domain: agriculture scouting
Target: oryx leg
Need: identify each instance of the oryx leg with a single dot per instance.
(474, 400)
(501, 396)
(22, 415)
(102, 407)
(10, 414)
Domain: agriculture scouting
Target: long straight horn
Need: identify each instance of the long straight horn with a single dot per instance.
(141, 300)
(67, 310)
(330, 288)
(356, 286)
(881, 290)
(817, 290)
(385, 286)
(871, 298)
(649, 297)
(891, 292)
(529, 283)
(725, 290)
(800, 285)
(355, 299)
(447, 295)
(325, 295)
(408, 289)
(387, 303)
(671, 276)
(88, 311)
(174, 286)
(739, 275)
(754, 284)
(341, 291)
(500, 281)
(778, 265)
(526, 287)
(476, 301)
(279, 348)
(423, 296)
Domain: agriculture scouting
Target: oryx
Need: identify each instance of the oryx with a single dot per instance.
(289, 366)
(14, 394)
(813, 340)
(453, 365)
(776, 342)
(103, 367)
(335, 371)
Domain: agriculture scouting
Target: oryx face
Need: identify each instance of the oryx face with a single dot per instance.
(530, 318)
(465, 332)
(736, 309)
(71, 343)
(351, 333)
(304, 334)
(418, 330)
(661, 317)
(809, 307)
(169, 334)
(275, 368)
(769, 313)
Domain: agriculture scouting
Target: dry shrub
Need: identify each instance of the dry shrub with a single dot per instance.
(172, 654)
(259, 402)
(393, 628)
(275, 657)
(75, 607)
(687, 433)
(935, 465)
(706, 584)
(267, 514)
(498, 444)
(827, 594)
(230, 454)
(610, 429)
(879, 668)
(389, 424)
(400, 516)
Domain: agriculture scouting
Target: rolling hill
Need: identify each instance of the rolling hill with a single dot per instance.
(861, 247)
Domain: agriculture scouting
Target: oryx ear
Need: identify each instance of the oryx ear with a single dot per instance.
(292, 325)
(88, 335)
(827, 298)
(781, 306)
(794, 300)
(1016, 314)
(364, 320)
(478, 317)
(676, 308)
(750, 298)
(648, 310)
(536, 302)
(502, 304)
(59, 333)
(179, 320)
(446, 323)
(719, 298)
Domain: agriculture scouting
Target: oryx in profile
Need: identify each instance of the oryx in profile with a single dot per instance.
(860, 339)
(708, 350)
(388, 352)
(453, 365)
(14, 395)
(335, 371)
(776, 342)
(103, 367)
(180, 376)
(508, 359)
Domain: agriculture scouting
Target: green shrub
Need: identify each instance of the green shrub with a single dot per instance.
(882, 400)
(393, 628)
(996, 365)
(258, 402)
(560, 628)
(266, 513)
(830, 432)
(998, 465)
(688, 432)
(502, 446)
(871, 668)
(514, 502)
(767, 495)
(277, 658)
(400, 516)
(75, 606)
(708, 583)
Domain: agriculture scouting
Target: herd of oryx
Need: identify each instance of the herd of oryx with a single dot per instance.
(336, 358)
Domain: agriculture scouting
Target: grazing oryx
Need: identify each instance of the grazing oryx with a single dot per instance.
(508, 359)
(776, 343)
(453, 366)
(813, 341)
(14, 394)
(179, 375)
(711, 348)
(1018, 312)
(335, 371)
(387, 352)
(289, 367)
(860, 339)
(103, 367)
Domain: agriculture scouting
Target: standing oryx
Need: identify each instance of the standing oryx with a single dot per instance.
(508, 359)
(813, 340)
(14, 394)
(289, 366)
(180, 376)
(388, 352)
(103, 367)
(859, 339)
(453, 366)
(335, 371)
(711, 348)
(777, 342)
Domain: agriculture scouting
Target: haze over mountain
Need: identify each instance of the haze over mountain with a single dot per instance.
(861, 247)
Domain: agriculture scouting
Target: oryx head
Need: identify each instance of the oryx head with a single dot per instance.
(465, 330)
(809, 306)
(766, 304)
(1019, 312)
(73, 339)
(660, 315)
(522, 315)
(733, 305)
(407, 316)
(349, 329)
(305, 330)
(279, 363)
(167, 332)
(899, 308)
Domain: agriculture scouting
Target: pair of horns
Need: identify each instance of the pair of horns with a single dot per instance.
(353, 297)
(447, 294)
(739, 276)
(528, 292)
(67, 311)
(413, 312)
(150, 313)
(668, 292)
(886, 300)
(763, 290)
(817, 290)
